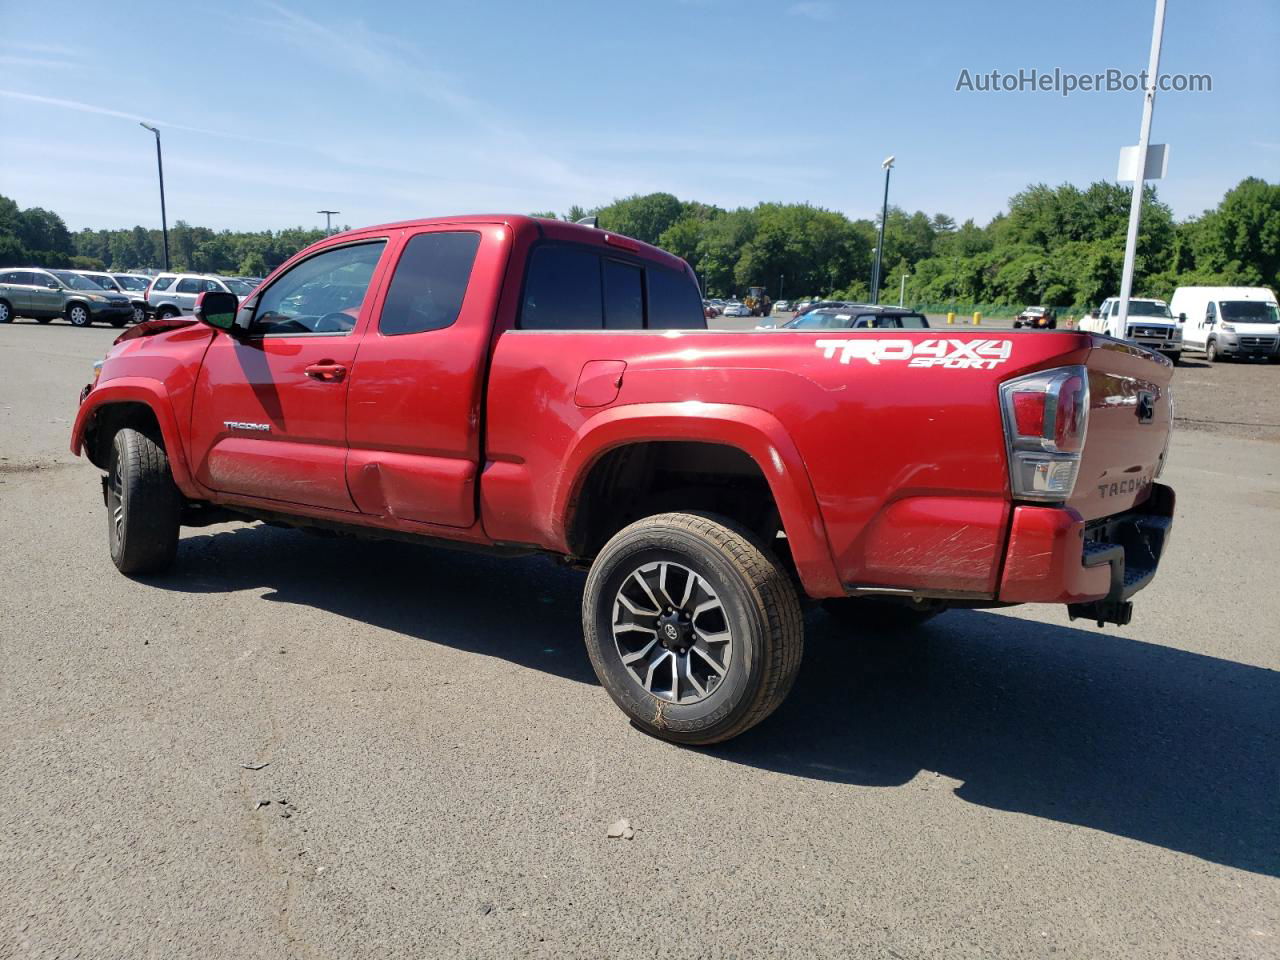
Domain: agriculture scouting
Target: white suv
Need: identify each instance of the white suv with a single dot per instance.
(172, 294)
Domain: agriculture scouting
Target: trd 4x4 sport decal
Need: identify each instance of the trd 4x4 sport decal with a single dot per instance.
(956, 354)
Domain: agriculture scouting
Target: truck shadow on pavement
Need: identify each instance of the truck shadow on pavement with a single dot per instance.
(1143, 741)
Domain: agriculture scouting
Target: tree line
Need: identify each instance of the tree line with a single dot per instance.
(39, 237)
(1058, 246)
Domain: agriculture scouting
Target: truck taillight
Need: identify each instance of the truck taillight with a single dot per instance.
(1045, 417)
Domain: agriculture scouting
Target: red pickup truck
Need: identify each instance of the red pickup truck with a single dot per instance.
(518, 385)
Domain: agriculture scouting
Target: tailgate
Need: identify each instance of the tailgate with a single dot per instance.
(1130, 416)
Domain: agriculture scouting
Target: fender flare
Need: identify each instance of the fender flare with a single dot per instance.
(152, 394)
(755, 432)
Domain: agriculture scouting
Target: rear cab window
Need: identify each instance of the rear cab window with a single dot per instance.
(570, 287)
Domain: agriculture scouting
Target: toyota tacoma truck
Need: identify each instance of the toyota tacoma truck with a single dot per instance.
(521, 385)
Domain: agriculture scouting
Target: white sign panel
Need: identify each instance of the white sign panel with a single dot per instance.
(1157, 162)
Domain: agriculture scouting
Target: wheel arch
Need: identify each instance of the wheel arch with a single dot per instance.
(747, 442)
(130, 402)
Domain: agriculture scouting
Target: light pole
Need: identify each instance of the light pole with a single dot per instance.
(164, 223)
(328, 223)
(781, 279)
(1140, 169)
(884, 215)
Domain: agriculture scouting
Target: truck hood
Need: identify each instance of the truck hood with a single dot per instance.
(149, 328)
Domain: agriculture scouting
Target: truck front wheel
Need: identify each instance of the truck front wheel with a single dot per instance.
(693, 628)
(144, 507)
(1211, 352)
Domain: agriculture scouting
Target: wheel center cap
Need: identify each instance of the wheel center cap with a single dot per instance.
(673, 631)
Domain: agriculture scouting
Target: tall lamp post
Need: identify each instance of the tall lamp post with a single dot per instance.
(328, 223)
(164, 223)
(884, 215)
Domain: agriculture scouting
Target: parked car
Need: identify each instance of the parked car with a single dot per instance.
(171, 294)
(857, 318)
(821, 304)
(1037, 318)
(116, 284)
(782, 305)
(1228, 322)
(1150, 325)
(45, 295)
(710, 310)
(704, 478)
(735, 309)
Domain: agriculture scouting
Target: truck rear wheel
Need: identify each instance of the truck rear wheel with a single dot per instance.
(144, 506)
(692, 627)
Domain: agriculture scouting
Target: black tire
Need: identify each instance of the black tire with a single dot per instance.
(1174, 358)
(1211, 352)
(880, 614)
(139, 315)
(6, 312)
(79, 316)
(760, 614)
(164, 313)
(144, 507)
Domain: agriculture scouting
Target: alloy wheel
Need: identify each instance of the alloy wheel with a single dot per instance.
(672, 632)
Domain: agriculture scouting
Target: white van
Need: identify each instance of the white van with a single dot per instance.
(1151, 325)
(1229, 321)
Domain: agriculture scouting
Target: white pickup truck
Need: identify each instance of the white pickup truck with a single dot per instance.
(1150, 325)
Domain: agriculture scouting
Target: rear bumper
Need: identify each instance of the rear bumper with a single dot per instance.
(1095, 568)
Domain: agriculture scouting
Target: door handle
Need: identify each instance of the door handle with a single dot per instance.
(326, 371)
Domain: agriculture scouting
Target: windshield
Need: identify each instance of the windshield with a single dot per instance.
(820, 320)
(239, 287)
(1034, 310)
(1249, 311)
(75, 281)
(132, 283)
(1149, 308)
(104, 281)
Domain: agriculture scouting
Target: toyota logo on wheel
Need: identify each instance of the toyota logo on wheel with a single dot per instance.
(671, 631)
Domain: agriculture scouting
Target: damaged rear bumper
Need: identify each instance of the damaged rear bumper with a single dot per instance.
(1094, 568)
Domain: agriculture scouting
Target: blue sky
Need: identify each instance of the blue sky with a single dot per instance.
(387, 110)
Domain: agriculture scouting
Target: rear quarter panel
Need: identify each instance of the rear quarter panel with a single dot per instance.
(905, 461)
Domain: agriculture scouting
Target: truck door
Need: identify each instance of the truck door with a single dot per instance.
(413, 414)
(1208, 320)
(269, 417)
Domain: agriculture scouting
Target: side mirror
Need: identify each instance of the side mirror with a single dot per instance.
(52, 285)
(1182, 318)
(217, 309)
(1095, 314)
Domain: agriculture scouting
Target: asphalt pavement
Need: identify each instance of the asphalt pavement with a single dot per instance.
(441, 768)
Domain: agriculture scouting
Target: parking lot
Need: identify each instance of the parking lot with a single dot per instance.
(441, 766)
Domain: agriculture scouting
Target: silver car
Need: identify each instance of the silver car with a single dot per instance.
(116, 283)
(172, 294)
(47, 294)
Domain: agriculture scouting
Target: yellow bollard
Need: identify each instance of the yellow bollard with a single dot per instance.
(977, 318)
(951, 318)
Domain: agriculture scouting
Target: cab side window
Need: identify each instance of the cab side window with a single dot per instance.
(563, 290)
(429, 284)
(321, 295)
